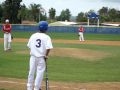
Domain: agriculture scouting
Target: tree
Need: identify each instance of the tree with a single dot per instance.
(11, 9)
(91, 11)
(35, 11)
(103, 11)
(68, 14)
(22, 13)
(104, 16)
(107, 14)
(52, 13)
(38, 12)
(112, 14)
(1, 12)
(117, 16)
(65, 15)
(62, 16)
(81, 17)
(43, 16)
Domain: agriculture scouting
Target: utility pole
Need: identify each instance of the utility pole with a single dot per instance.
(41, 11)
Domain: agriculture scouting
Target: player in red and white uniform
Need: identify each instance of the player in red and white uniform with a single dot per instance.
(81, 30)
(7, 35)
(40, 45)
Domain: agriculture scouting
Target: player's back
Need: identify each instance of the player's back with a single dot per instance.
(38, 43)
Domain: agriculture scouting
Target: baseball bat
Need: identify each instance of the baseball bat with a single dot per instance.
(47, 82)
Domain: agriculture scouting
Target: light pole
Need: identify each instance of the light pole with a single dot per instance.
(41, 10)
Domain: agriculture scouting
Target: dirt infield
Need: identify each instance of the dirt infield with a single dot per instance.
(20, 84)
(111, 43)
(96, 42)
(89, 55)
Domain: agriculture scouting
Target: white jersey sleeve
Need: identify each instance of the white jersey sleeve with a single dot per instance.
(49, 43)
(28, 45)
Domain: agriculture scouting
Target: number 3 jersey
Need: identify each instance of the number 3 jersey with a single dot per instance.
(38, 44)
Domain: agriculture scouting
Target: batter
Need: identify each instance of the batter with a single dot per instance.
(40, 45)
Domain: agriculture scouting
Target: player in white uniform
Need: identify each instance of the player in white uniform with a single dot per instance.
(40, 45)
(7, 35)
(81, 30)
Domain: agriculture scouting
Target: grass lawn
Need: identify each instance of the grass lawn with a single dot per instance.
(66, 69)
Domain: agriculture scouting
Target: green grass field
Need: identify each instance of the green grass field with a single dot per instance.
(66, 69)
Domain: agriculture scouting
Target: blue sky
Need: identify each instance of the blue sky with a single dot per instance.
(75, 6)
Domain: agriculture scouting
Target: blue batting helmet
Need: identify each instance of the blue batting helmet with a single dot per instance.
(43, 25)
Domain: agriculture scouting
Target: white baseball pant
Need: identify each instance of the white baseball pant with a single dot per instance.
(81, 37)
(7, 41)
(36, 64)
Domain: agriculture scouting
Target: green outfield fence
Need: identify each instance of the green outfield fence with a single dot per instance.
(67, 29)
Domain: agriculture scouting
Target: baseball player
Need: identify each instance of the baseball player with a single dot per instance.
(81, 30)
(7, 35)
(40, 45)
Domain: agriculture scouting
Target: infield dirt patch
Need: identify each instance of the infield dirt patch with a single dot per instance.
(86, 54)
(20, 84)
(95, 42)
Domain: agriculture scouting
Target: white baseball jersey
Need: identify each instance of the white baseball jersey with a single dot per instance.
(38, 43)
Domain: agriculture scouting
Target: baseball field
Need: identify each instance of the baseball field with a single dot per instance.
(72, 65)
